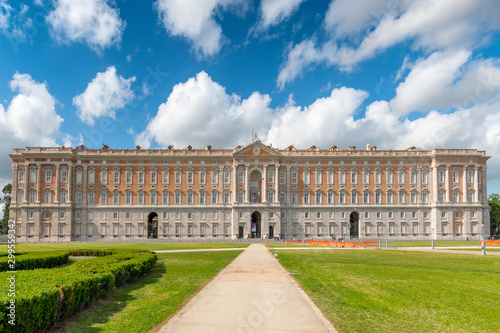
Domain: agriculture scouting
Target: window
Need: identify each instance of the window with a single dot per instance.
(379, 215)
(330, 197)
(391, 215)
(424, 177)
(424, 197)
(48, 175)
(470, 177)
(203, 177)
(152, 197)
(456, 195)
(282, 178)
(141, 177)
(329, 177)
(443, 215)
(78, 197)
(48, 195)
(401, 176)
(165, 176)
(413, 176)
(318, 197)
(354, 197)
(454, 176)
(402, 215)
(215, 176)
(190, 176)
(342, 176)
(270, 196)
(153, 177)
(128, 177)
(331, 215)
(103, 229)
(104, 198)
(389, 176)
(46, 228)
(104, 176)
(202, 215)
(32, 175)
(116, 177)
(378, 197)
(441, 176)
(389, 197)
(64, 175)
(318, 177)
(367, 215)
(473, 214)
(294, 177)
(115, 215)
(282, 197)
(140, 197)
(116, 197)
(318, 215)
(401, 197)
(366, 197)
(227, 174)
(177, 197)
(306, 197)
(91, 176)
(294, 197)
(226, 197)
(241, 176)
(306, 215)
(21, 176)
(378, 176)
(63, 197)
(342, 197)
(366, 177)
(270, 176)
(214, 197)
(470, 196)
(413, 197)
(91, 197)
(441, 196)
(177, 176)
(128, 197)
(354, 177)
(271, 215)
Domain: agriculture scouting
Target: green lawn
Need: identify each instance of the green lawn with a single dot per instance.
(400, 244)
(396, 291)
(150, 301)
(148, 246)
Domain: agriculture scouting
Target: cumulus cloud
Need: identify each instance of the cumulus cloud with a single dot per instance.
(92, 22)
(195, 21)
(199, 112)
(273, 12)
(30, 119)
(447, 80)
(371, 28)
(106, 93)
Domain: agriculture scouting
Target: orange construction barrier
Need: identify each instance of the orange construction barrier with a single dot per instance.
(364, 244)
(490, 243)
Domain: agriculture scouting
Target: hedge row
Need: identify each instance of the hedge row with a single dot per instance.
(45, 296)
(34, 260)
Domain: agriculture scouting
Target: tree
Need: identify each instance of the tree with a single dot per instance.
(7, 197)
(494, 201)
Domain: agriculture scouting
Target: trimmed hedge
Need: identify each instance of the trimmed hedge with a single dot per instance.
(35, 260)
(45, 296)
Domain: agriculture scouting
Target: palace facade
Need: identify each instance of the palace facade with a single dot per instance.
(256, 191)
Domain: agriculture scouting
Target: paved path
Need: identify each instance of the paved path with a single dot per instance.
(253, 294)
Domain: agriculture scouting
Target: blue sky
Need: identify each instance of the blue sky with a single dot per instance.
(393, 74)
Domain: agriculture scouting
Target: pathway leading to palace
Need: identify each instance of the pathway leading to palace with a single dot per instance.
(253, 294)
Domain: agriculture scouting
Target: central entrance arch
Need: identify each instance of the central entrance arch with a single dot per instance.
(255, 227)
(354, 224)
(153, 225)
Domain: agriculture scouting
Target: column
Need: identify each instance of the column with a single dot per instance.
(277, 184)
(14, 185)
(84, 185)
(288, 184)
(247, 185)
(434, 170)
(476, 185)
(419, 184)
(447, 183)
(58, 182)
(483, 185)
(464, 183)
(221, 184)
(70, 183)
(26, 182)
(38, 182)
(234, 186)
(264, 184)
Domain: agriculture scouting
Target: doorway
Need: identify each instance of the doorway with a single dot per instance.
(255, 225)
(241, 231)
(354, 225)
(271, 232)
(153, 225)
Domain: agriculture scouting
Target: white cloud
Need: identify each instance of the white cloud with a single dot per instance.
(5, 10)
(429, 25)
(200, 112)
(93, 22)
(30, 120)
(273, 12)
(447, 80)
(106, 93)
(195, 20)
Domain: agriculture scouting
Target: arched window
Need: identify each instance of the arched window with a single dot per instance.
(330, 177)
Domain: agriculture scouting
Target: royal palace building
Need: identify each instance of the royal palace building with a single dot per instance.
(256, 191)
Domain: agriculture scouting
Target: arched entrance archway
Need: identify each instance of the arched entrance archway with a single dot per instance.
(255, 227)
(354, 224)
(153, 225)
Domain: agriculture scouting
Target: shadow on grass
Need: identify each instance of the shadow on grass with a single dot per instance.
(101, 311)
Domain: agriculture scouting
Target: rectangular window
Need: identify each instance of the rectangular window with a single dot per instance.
(389, 197)
(413, 177)
(116, 177)
(342, 177)
(270, 176)
(241, 176)
(424, 177)
(104, 198)
(115, 215)
(78, 197)
(413, 215)
(227, 176)
(354, 177)
(48, 196)
(128, 198)
(63, 197)
(329, 177)
(294, 177)
(366, 197)
(456, 196)
(32, 175)
(103, 229)
(165, 176)
(413, 197)
(152, 197)
(318, 177)
(282, 197)
(366, 177)
(140, 197)
(271, 215)
(270, 196)
(318, 197)
(177, 197)
(378, 176)
(21, 176)
(354, 197)
(454, 176)
(391, 215)
(401, 177)
(402, 215)
(307, 179)
(470, 177)
(141, 177)
(306, 197)
(116, 198)
(342, 197)
(64, 176)
(379, 215)
(401, 197)
(153, 177)
(295, 197)
(190, 177)
(91, 197)
(202, 197)
(214, 197)
(48, 176)
(91, 177)
(389, 176)
(378, 197)
(215, 176)
(178, 177)
(128, 177)
(330, 197)
(441, 176)
(424, 197)
(104, 176)
(282, 178)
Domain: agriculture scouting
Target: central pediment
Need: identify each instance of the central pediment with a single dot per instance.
(256, 148)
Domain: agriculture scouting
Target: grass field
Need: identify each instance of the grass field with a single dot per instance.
(395, 291)
(150, 301)
(402, 244)
(147, 246)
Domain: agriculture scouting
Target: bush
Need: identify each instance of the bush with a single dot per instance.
(45, 296)
(35, 260)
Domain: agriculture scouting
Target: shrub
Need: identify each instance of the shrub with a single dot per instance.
(35, 260)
